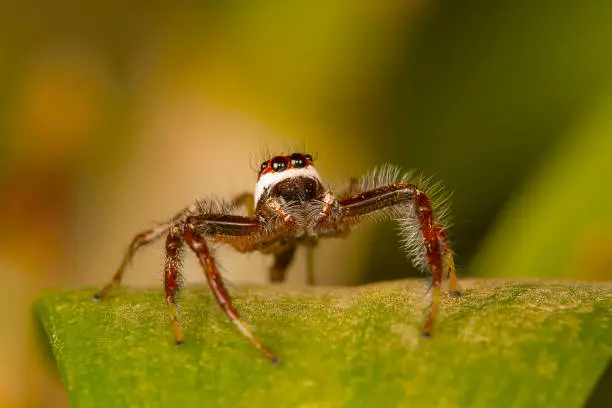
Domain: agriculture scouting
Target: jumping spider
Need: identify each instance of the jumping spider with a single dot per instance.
(291, 207)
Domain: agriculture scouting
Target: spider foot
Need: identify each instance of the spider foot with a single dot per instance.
(103, 293)
(179, 336)
(455, 293)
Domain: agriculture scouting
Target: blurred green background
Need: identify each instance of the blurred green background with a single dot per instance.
(115, 115)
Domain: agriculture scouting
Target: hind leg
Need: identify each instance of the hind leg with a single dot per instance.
(282, 260)
(144, 238)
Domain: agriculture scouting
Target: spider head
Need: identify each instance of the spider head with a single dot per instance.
(291, 177)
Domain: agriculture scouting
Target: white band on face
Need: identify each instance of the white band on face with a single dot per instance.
(268, 180)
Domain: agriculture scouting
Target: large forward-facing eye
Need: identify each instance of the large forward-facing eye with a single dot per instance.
(298, 160)
(279, 163)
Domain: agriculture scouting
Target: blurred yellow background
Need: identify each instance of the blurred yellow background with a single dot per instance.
(116, 115)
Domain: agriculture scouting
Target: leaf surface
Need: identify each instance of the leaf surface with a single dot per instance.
(504, 343)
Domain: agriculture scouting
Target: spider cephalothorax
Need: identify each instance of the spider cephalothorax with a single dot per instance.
(292, 207)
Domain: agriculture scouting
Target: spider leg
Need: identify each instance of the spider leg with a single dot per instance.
(140, 240)
(455, 291)
(226, 228)
(144, 238)
(172, 280)
(310, 278)
(282, 260)
(423, 234)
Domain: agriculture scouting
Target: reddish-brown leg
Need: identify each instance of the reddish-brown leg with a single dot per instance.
(310, 277)
(449, 266)
(140, 240)
(282, 260)
(437, 249)
(198, 245)
(431, 232)
(172, 280)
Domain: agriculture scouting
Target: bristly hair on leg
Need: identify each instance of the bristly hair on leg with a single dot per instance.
(213, 206)
(406, 216)
(387, 174)
(410, 230)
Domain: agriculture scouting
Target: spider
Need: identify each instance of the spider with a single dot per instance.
(292, 207)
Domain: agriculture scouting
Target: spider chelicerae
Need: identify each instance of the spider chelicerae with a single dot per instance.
(292, 207)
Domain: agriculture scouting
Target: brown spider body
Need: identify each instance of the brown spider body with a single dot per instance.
(291, 207)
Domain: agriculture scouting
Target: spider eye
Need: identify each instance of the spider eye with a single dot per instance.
(264, 165)
(279, 164)
(298, 160)
(309, 158)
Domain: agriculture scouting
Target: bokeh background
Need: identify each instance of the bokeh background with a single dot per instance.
(114, 115)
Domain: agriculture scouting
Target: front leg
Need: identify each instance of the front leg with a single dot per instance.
(245, 234)
(422, 233)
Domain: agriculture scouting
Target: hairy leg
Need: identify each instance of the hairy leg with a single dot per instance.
(449, 266)
(144, 238)
(310, 277)
(140, 240)
(282, 260)
(431, 232)
(433, 240)
(198, 245)
(172, 280)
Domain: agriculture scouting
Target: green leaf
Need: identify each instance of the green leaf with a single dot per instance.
(504, 343)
